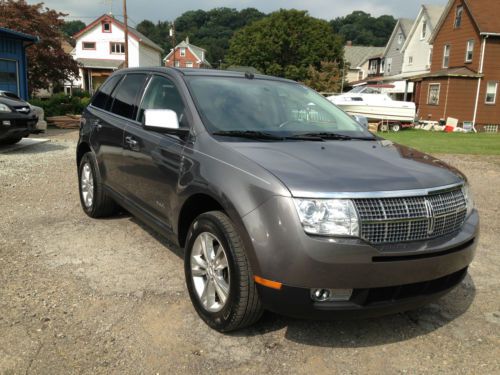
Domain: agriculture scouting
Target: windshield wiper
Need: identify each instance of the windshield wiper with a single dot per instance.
(251, 134)
(330, 135)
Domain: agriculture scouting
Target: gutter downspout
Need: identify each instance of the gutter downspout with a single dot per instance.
(481, 66)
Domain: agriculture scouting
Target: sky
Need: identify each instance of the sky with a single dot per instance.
(164, 10)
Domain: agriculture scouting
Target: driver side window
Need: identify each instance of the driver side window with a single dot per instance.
(161, 93)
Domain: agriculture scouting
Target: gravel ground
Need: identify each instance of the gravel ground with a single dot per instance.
(107, 296)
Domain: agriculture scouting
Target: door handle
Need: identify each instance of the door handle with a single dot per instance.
(133, 144)
(97, 124)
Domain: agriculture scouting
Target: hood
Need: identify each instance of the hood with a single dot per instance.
(11, 102)
(348, 166)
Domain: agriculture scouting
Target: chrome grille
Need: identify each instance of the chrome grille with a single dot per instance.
(388, 220)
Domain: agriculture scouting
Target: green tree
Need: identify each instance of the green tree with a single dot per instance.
(70, 28)
(285, 43)
(326, 79)
(47, 61)
(362, 29)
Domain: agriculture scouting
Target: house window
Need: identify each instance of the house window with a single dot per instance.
(458, 16)
(106, 27)
(491, 92)
(360, 75)
(88, 45)
(433, 96)
(400, 38)
(189, 64)
(117, 48)
(177, 64)
(424, 30)
(389, 64)
(183, 52)
(446, 56)
(410, 60)
(470, 51)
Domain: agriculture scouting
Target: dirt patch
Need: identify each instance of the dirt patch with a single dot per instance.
(107, 296)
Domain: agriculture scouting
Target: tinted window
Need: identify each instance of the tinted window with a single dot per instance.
(102, 96)
(125, 101)
(161, 94)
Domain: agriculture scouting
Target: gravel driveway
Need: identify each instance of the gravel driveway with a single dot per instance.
(107, 296)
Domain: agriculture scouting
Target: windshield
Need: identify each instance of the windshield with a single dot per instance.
(365, 90)
(275, 107)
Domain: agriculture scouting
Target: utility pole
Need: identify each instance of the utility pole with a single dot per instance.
(125, 21)
(172, 35)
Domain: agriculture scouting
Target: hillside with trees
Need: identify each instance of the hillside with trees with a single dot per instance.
(364, 30)
(211, 29)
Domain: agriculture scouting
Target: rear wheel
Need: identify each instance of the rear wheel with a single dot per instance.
(396, 127)
(94, 200)
(218, 275)
(10, 141)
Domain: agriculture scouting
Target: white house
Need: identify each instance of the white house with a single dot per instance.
(416, 50)
(100, 50)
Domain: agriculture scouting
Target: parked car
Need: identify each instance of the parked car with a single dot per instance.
(308, 216)
(17, 120)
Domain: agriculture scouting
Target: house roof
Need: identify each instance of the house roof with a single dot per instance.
(405, 25)
(357, 55)
(141, 38)
(198, 52)
(433, 13)
(484, 15)
(461, 72)
(18, 35)
(100, 63)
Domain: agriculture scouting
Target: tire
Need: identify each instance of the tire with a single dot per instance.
(10, 141)
(383, 128)
(94, 200)
(396, 127)
(242, 306)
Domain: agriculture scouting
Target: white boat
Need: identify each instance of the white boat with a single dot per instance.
(371, 103)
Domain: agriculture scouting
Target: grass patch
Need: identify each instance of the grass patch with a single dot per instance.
(447, 143)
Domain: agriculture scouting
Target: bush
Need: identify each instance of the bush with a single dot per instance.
(62, 104)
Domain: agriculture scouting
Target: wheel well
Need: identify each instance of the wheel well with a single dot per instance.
(82, 149)
(192, 208)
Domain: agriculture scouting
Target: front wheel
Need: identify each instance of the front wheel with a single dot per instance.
(395, 127)
(218, 275)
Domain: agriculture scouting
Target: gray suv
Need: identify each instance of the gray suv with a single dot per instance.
(280, 200)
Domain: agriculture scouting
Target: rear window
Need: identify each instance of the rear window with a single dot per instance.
(125, 101)
(101, 98)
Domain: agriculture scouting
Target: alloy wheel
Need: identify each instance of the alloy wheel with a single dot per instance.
(210, 272)
(87, 185)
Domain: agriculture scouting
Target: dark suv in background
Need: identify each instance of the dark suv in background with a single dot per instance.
(280, 200)
(17, 120)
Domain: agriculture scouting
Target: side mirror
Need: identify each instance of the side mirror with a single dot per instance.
(362, 120)
(163, 121)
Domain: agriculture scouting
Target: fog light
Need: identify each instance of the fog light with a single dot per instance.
(6, 123)
(330, 295)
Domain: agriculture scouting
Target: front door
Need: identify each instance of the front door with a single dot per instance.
(153, 159)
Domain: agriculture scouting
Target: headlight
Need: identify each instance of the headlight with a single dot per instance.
(469, 202)
(333, 217)
(4, 108)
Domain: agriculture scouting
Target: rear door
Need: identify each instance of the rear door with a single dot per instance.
(107, 135)
(153, 159)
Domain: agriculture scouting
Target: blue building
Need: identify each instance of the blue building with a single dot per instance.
(13, 64)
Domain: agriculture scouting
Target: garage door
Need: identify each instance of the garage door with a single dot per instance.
(8, 76)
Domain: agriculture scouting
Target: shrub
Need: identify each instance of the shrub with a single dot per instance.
(62, 104)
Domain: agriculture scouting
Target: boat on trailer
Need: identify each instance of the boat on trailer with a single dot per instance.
(370, 102)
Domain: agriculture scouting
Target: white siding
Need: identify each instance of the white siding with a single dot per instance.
(419, 49)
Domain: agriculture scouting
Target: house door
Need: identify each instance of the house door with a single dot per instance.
(9, 79)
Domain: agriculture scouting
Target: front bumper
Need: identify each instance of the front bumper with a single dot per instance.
(283, 252)
(13, 125)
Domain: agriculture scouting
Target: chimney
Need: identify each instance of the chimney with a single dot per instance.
(187, 40)
(349, 43)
